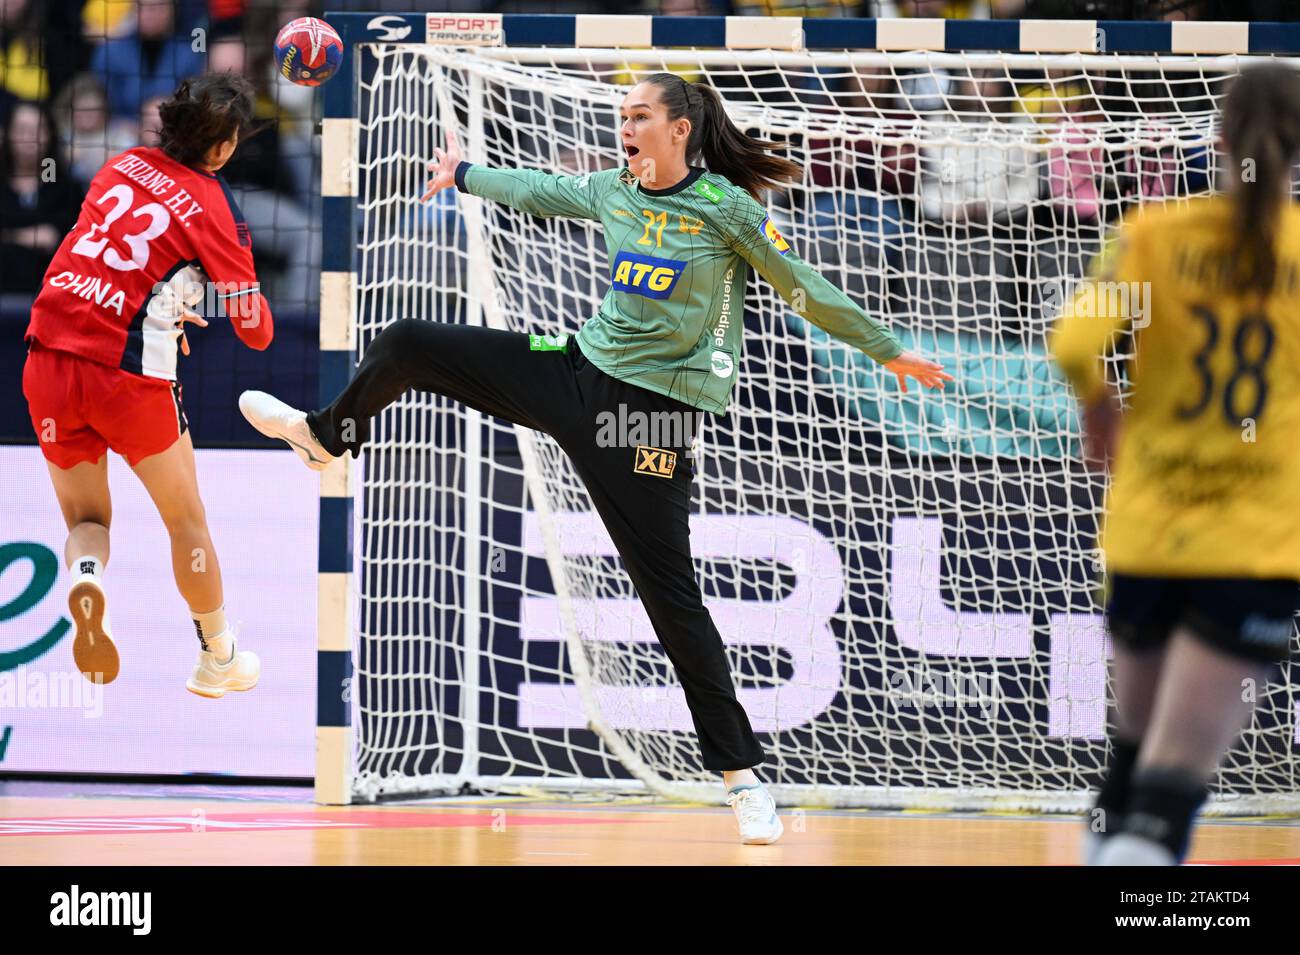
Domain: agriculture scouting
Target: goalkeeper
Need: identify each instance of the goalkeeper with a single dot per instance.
(665, 339)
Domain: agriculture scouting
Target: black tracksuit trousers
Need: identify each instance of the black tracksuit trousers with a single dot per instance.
(645, 510)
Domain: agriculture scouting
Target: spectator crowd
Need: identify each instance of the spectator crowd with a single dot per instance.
(81, 80)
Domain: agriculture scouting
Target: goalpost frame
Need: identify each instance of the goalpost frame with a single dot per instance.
(932, 42)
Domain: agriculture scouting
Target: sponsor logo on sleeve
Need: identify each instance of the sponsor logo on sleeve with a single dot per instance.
(709, 191)
(646, 275)
(722, 364)
(775, 238)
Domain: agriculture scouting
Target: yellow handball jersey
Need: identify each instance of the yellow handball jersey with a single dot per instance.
(1206, 476)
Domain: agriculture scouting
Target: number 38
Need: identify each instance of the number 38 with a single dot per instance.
(1251, 347)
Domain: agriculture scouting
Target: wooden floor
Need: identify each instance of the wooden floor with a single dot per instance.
(49, 824)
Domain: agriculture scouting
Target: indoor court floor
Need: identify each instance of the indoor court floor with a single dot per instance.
(49, 823)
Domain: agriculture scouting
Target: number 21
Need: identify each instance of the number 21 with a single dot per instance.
(661, 219)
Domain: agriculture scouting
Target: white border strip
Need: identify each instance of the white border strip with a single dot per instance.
(764, 33)
(1227, 37)
(597, 30)
(1058, 36)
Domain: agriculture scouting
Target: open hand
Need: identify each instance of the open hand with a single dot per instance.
(443, 168)
(928, 373)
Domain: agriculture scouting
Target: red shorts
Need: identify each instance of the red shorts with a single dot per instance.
(80, 408)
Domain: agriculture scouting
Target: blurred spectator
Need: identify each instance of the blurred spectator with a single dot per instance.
(796, 8)
(985, 170)
(1076, 162)
(859, 182)
(292, 107)
(926, 91)
(976, 189)
(39, 200)
(22, 54)
(266, 190)
(87, 135)
(947, 9)
(149, 61)
(1074, 140)
(1153, 169)
(105, 19)
(150, 128)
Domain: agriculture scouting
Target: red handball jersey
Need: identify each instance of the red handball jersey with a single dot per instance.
(153, 235)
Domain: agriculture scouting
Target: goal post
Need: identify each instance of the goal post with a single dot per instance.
(905, 583)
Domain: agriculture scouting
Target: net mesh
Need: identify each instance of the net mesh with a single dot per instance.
(906, 583)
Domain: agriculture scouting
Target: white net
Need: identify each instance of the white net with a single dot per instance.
(905, 583)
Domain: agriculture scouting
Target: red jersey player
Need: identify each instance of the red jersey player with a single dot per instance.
(101, 366)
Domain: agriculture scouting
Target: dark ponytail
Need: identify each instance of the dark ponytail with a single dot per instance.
(204, 111)
(726, 150)
(1261, 123)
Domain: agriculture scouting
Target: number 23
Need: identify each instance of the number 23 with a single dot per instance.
(93, 243)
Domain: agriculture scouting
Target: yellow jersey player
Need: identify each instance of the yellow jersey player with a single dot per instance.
(1202, 528)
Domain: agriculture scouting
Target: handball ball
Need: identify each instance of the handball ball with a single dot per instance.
(308, 51)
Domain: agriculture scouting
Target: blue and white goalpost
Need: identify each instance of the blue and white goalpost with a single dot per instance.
(904, 582)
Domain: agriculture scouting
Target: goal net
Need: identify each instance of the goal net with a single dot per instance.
(906, 583)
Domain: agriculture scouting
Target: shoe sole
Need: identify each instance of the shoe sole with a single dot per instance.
(304, 454)
(216, 692)
(92, 649)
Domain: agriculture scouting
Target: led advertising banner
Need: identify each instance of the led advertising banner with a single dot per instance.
(262, 512)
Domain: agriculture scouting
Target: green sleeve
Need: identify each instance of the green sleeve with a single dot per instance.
(803, 287)
(539, 193)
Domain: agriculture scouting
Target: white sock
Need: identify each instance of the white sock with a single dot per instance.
(214, 635)
(93, 566)
(222, 646)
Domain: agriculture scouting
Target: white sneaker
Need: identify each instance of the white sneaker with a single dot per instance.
(756, 815)
(1126, 848)
(92, 648)
(213, 679)
(275, 419)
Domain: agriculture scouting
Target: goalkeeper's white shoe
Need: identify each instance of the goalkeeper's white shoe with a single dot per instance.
(213, 679)
(1125, 848)
(755, 815)
(275, 419)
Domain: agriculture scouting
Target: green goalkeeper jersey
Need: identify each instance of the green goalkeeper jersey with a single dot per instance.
(679, 259)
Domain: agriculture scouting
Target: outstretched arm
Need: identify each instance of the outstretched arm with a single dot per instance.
(528, 190)
(225, 253)
(821, 302)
